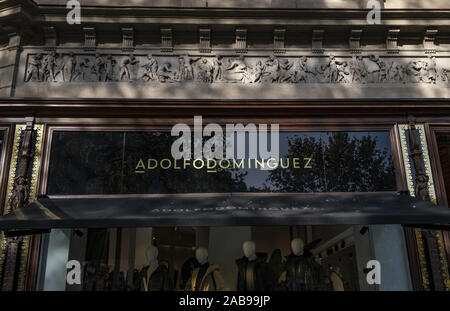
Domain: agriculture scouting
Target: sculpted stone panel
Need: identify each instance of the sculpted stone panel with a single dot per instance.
(53, 67)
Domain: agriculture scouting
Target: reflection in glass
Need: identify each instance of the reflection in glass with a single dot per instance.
(118, 163)
(2, 141)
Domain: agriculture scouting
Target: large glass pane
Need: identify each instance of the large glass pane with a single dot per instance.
(2, 142)
(141, 163)
(86, 163)
(443, 141)
(280, 258)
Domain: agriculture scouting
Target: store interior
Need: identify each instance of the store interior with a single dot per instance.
(287, 258)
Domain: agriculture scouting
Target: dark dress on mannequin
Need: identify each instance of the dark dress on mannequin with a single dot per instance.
(201, 274)
(159, 280)
(303, 273)
(255, 275)
(186, 270)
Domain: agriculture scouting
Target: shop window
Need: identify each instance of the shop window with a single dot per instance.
(2, 145)
(287, 258)
(443, 140)
(324, 257)
(141, 163)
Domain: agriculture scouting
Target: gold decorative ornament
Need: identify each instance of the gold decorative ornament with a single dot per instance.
(38, 128)
(409, 178)
(433, 198)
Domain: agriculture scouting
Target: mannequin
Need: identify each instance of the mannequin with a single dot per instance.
(336, 278)
(302, 272)
(297, 247)
(254, 273)
(155, 276)
(151, 254)
(206, 277)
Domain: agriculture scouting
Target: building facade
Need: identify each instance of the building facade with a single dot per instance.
(85, 106)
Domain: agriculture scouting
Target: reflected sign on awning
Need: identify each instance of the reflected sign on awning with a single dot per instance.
(242, 209)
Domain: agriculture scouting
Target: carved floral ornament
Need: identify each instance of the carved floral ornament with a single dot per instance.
(53, 67)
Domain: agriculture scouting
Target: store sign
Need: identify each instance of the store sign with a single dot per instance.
(212, 165)
(212, 147)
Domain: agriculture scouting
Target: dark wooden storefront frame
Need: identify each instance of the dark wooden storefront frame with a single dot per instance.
(431, 130)
(5, 155)
(142, 115)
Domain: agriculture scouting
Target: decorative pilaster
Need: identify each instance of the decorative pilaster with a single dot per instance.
(21, 190)
(430, 247)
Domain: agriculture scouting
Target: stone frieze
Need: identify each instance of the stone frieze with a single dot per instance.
(52, 67)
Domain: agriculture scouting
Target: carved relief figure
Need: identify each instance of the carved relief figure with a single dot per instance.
(165, 73)
(395, 72)
(109, 69)
(421, 190)
(383, 69)
(217, 63)
(185, 69)
(373, 69)
(82, 70)
(357, 69)
(333, 69)
(237, 70)
(330, 72)
(125, 67)
(300, 70)
(151, 68)
(206, 71)
(69, 68)
(50, 67)
(271, 69)
(431, 71)
(20, 196)
(344, 73)
(258, 72)
(284, 74)
(414, 70)
(278, 70)
(34, 68)
(99, 67)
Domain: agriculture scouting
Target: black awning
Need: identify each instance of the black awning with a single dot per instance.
(225, 210)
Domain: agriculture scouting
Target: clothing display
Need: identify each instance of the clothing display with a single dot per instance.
(303, 273)
(206, 278)
(337, 280)
(255, 275)
(187, 269)
(159, 280)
